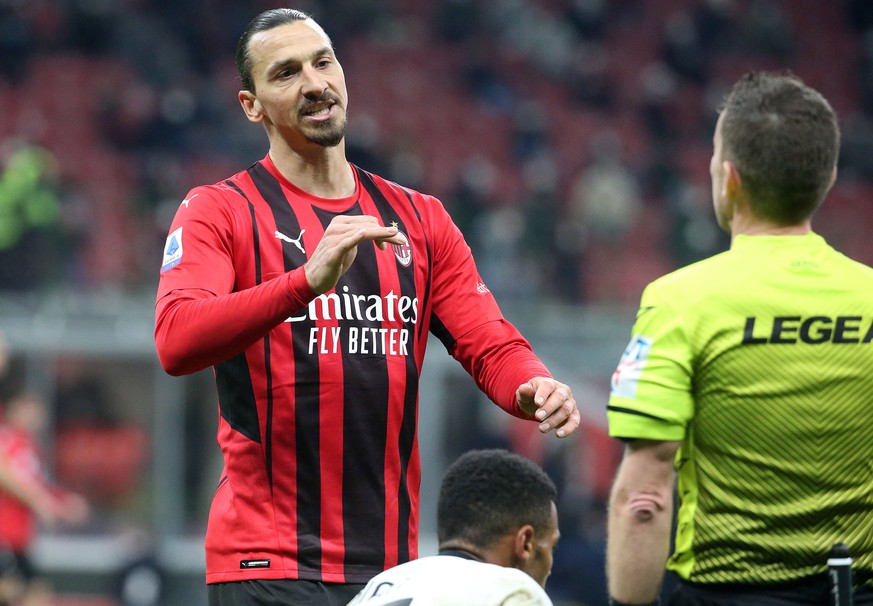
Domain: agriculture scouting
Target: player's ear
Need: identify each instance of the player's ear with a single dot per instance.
(251, 106)
(524, 542)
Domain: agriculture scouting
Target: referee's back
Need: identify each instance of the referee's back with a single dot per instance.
(749, 377)
(781, 442)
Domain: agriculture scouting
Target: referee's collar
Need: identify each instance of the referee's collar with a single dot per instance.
(807, 239)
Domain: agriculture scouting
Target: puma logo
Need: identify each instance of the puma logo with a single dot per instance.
(296, 241)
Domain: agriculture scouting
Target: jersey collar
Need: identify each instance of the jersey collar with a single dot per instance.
(337, 205)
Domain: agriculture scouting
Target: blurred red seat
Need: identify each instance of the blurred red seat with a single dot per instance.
(104, 464)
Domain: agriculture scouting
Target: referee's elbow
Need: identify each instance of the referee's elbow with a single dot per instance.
(646, 506)
(643, 502)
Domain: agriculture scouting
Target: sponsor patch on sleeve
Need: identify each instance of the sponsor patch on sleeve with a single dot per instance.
(172, 250)
(626, 377)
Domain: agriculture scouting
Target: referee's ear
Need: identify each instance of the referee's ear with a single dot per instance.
(733, 181)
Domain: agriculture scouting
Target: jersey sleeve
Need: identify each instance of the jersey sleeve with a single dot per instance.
(199, 320)
(198, 253)
(651, 392)
(469, 322)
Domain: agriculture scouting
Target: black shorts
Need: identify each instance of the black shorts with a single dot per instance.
(808, 592)
(282, 592)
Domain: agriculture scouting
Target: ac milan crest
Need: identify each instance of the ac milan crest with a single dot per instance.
(403, 252)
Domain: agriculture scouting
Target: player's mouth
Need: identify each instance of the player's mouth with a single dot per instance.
(319, 111)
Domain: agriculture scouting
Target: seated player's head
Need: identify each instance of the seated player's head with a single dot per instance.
(500, 507)
(781, 138)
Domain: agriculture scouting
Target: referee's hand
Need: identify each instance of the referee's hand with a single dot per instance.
(551, 403)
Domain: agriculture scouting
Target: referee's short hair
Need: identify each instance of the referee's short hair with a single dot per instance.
(784, 139)
(487, 493)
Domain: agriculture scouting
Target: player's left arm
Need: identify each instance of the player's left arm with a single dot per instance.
(475, 332)
(639, 521)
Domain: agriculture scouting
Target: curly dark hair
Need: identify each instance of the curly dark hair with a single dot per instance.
(487, 493)
(784, 139)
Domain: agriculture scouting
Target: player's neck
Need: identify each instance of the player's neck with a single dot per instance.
(321, 171)
(460, 550)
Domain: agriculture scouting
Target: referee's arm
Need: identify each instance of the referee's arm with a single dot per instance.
(640, 517)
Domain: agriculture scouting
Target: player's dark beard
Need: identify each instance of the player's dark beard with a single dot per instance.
(329, 134)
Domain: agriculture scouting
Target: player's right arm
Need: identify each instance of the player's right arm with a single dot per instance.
(199, 319)
(195, 328)
(338, 248)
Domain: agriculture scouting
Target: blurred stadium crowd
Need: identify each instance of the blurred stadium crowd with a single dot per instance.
(570, 139)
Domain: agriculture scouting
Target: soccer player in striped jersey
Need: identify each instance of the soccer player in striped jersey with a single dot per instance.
(310, 285)
(749, 373)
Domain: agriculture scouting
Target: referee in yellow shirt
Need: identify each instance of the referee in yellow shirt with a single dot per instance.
(750, 376)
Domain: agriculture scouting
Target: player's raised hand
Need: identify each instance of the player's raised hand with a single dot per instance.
(338, 248)
(551, 403)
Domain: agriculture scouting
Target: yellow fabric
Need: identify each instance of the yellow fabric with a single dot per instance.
(760, 360)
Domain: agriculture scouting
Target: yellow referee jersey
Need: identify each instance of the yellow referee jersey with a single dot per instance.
(760, 360)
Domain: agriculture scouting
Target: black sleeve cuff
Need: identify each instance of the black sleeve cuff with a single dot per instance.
(614, 602)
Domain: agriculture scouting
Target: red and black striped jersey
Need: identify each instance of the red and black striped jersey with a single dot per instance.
(318, 395)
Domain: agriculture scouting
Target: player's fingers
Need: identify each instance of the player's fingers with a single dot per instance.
(556, 409)
(343, 224)
(570, 425)
(397, 238)
(543, 389)
(525, 393)
(549, 395)
(351, 238)
(366, 231)
(340, 220)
